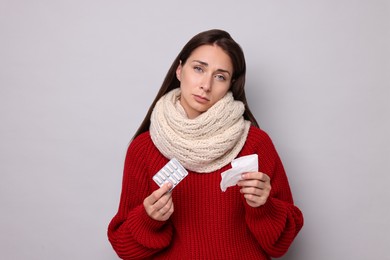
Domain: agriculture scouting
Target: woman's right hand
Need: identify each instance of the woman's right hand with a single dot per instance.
(159, 204)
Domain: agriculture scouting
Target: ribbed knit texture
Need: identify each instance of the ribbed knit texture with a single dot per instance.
(205, 143)
(207, 223)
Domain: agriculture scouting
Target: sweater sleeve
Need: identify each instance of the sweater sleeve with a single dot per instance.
(132, 233)
(278, 221)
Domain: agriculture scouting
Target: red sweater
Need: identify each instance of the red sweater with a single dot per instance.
(207, 223)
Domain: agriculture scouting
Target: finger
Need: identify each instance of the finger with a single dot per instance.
(251, 197)
(251, 190)
(255, 176)
(265, 177)
(165, 188)
(157, 194)
(252, 176)
(165, 212)
(255, 201)
(160, 208)
(167, 208)
(252, 183)
(165, 199)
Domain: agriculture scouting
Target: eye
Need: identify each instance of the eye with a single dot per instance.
(198, 69)
(220, 77)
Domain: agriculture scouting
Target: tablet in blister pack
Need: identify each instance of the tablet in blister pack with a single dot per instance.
(172, 172)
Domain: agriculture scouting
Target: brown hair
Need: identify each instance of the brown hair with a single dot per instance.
(211, 37)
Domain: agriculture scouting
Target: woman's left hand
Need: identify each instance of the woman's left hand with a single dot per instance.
(256, 187)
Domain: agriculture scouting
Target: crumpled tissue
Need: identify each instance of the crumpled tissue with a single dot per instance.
(240, 165)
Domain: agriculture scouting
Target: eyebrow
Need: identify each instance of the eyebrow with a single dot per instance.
(206, 65)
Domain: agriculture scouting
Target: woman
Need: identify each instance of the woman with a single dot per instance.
(201, 117)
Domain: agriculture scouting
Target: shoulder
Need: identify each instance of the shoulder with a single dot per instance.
(142, 138)
(141, 152)
(142, 145)
(257, 136)
(258, 141)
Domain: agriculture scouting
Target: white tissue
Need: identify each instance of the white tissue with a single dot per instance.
(240, 165)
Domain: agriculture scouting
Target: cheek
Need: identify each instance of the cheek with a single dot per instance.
(217, 97)
(185, 80)
(222, 92)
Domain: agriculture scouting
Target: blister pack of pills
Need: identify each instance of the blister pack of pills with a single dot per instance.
(172, 172)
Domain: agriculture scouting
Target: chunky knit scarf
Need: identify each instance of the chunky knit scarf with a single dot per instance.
(205, 143)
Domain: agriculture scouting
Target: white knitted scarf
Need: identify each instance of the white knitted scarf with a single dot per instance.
(205, 143)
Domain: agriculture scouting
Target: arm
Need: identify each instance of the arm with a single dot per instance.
(275, 221)
(132, 233)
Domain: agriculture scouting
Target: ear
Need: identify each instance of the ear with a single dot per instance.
(178, 71)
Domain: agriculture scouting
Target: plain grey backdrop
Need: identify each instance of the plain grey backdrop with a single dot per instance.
(76, 79)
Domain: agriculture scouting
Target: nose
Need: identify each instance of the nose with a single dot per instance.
(206, 84)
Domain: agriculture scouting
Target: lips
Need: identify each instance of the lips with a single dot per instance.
(201, 99)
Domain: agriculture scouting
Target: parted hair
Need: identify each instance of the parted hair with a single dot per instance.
(217, 37)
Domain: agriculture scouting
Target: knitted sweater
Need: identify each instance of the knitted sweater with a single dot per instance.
(207, 223)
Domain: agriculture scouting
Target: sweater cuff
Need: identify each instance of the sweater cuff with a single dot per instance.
(147, 231)
(272, 209)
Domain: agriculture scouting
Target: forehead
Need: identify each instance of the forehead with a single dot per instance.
(213, 55)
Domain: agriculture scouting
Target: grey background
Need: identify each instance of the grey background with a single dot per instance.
(76, 79)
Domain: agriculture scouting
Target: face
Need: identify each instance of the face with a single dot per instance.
(204, 79)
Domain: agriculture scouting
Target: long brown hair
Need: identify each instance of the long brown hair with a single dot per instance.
(211, 37)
